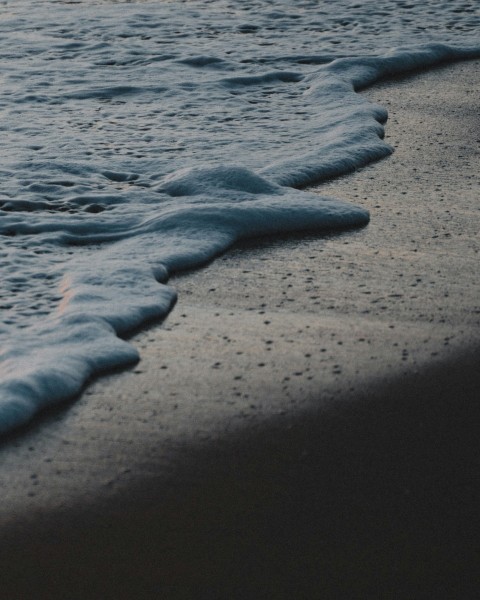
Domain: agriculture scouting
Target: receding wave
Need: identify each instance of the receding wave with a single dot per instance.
(169, 132)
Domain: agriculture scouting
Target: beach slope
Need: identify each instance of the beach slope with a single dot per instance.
(305, 422)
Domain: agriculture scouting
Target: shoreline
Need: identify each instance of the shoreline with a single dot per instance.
(278, 360)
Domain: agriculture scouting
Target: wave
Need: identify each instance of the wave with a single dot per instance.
(112, 187)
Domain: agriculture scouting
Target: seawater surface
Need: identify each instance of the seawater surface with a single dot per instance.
(140, 138)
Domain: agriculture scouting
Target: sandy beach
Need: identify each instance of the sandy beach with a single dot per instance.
(305, 422)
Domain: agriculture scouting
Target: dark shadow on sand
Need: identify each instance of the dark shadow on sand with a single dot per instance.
(375, 496)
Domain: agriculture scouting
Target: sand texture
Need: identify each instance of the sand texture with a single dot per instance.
(305, 424)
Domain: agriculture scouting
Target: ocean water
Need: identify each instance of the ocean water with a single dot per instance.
(141, 138)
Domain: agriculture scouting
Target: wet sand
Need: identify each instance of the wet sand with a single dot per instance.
(305, 422)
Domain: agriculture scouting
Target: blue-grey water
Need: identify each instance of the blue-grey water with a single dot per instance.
(140, 138)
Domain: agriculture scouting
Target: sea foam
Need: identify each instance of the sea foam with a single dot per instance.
(145, 138)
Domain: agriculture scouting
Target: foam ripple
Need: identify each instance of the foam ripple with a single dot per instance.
(125, 162)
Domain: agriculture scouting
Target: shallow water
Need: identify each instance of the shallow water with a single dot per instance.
(140, 138)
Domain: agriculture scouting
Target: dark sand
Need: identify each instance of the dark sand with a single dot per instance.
(307, 429)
